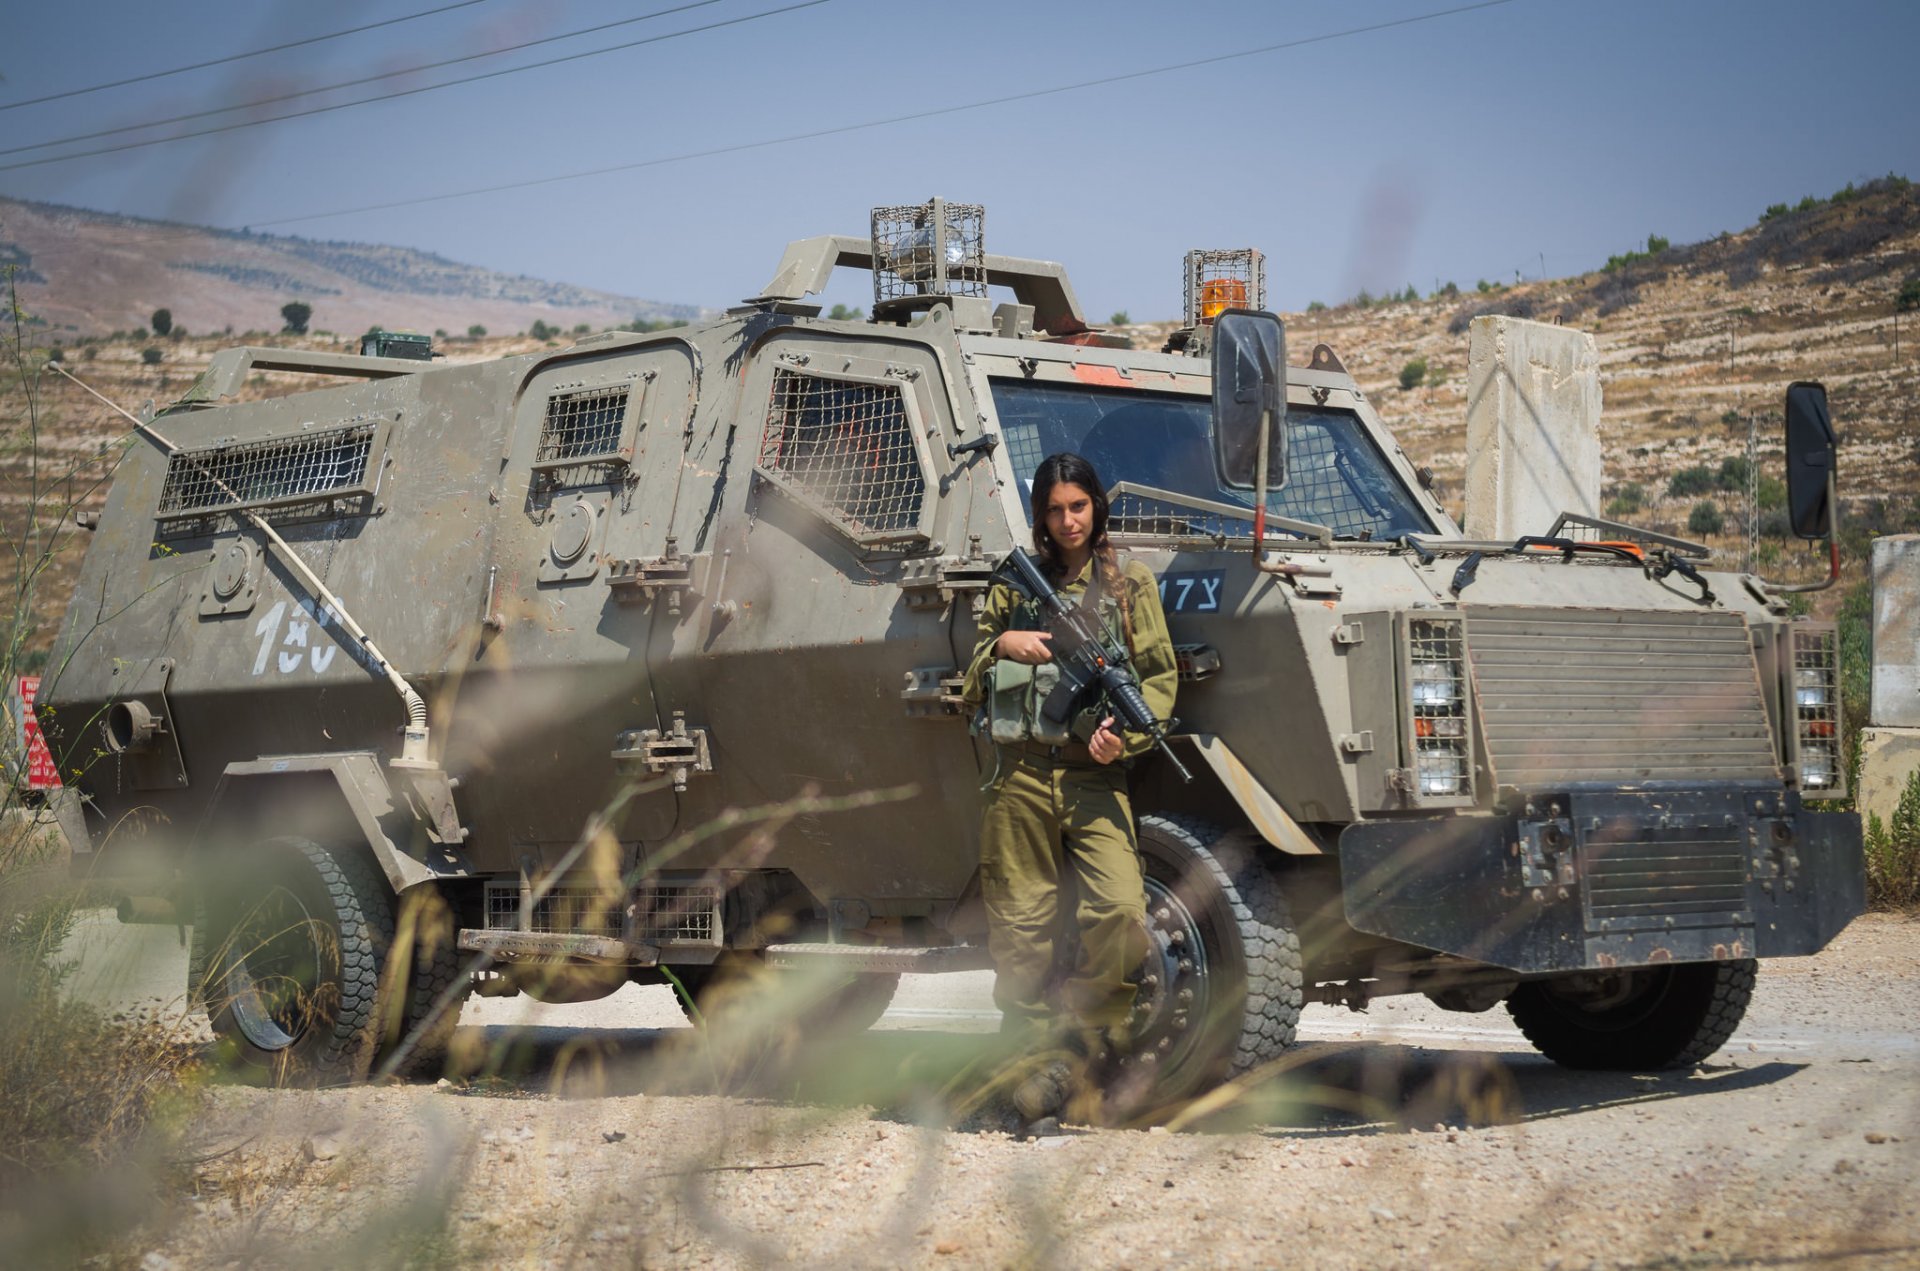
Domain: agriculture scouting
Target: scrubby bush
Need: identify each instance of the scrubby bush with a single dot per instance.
(151, 356)
(1893, 853)
(1734, 472)
(1655, 245)
(1909, 297)
(77, 1089)
(476, 331)
(1627, 500)
(1690, 481)
(541, 331)
(1413, 373)
(1120, 317)
(1705, 518)
(1316, 306)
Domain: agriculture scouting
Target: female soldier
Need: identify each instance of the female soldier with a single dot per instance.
(1059, 814)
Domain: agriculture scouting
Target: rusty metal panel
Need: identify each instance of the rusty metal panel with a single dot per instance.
(1571, 695)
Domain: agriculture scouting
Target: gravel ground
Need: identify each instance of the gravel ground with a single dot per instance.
(1399, 1138)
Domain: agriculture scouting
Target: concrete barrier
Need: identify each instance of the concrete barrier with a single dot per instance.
(1533, 419)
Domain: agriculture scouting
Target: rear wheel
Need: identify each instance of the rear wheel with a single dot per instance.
(1670, 1016)
(1220, 990)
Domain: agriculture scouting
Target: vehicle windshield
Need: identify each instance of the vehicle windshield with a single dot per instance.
(1335, 475)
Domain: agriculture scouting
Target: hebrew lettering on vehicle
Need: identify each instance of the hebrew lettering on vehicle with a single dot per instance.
(1195, 592)
(289, 642)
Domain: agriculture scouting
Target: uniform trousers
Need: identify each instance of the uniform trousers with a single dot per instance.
(1059, 863)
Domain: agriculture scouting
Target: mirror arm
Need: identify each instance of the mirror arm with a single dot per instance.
(1833, 546)
(1260, 497)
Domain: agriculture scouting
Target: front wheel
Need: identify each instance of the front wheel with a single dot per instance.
(1670, 1016)
(290, 965)
(1220, 990)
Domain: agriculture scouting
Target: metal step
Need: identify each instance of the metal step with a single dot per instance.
(556, 946)
(873, 958)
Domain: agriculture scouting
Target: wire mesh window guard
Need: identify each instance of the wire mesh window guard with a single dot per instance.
(1336, 476)
(584, 437)
(285, 472)
(583, 426)
(846, 448)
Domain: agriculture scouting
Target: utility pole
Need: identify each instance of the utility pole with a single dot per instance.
(1753, 495)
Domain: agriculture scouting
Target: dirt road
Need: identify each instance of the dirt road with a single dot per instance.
(1403, 1137)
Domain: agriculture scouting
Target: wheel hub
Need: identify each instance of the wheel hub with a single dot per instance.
(276, 982)
(1170, 1005)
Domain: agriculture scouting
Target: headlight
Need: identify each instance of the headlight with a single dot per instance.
(1441, 772)
(1437, 692)
(1435, 684)
(1816, 706)
(1811, 687)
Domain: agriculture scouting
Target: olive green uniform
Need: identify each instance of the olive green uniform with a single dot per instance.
(1059, 826)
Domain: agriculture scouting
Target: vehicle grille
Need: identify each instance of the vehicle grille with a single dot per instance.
(1678, 874)
(570, 909)
(663, 914)
(686, 915)
(1568, 695)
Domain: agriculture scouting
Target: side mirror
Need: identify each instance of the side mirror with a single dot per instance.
(1810, 456)
(1250, 400)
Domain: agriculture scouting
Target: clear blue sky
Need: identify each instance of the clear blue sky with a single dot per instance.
(1537, 133)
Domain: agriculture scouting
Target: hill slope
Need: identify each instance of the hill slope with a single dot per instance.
(89, 273)
(1693, 341)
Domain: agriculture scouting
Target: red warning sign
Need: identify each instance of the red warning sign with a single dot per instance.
(41, 774)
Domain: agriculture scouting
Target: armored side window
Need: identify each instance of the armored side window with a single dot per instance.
(586, 436)
(326, 471)
(846, 448)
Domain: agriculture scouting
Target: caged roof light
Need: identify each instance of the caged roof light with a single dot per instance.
(934, 248)
(1224, 279)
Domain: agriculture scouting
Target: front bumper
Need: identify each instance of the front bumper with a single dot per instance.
(1585, 879)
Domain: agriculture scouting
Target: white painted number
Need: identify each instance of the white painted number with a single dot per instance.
(304, 651)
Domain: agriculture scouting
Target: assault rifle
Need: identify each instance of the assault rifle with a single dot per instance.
(1090, 661)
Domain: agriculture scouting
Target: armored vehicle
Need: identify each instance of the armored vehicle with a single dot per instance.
(642, 656)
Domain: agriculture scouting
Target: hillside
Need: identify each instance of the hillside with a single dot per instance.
(87, 274)
(1694, 341)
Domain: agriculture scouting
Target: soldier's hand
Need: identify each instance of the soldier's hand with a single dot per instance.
(1105, 744)
(1030, 647)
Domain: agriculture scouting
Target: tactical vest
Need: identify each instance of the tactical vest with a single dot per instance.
(1016, 692)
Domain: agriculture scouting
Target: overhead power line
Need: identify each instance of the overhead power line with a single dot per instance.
(355, 83)
(842, 129)
(236, 57)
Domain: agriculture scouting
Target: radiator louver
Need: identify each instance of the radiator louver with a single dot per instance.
(1577, 695)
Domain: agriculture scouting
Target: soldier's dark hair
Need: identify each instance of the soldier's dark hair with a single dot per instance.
(1067, 468)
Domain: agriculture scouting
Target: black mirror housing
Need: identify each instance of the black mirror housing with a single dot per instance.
(1249, 352)
(1810, 461)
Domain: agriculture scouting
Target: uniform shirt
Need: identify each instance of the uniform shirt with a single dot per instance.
(1152, 652)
